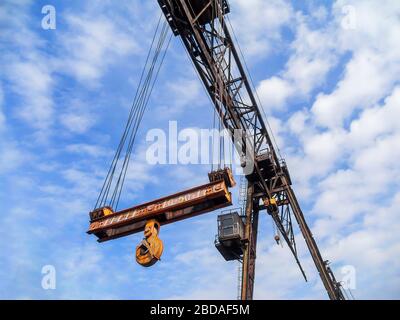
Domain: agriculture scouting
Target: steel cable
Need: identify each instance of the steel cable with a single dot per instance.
(145, 87)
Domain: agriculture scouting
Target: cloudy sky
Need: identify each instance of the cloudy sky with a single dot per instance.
(327, 75)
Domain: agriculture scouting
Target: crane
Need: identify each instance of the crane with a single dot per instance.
(204, 32)
(203, 27)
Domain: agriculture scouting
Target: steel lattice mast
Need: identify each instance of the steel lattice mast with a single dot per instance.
(202, 27)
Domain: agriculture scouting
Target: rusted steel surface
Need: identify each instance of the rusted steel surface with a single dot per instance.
(169, 209)
(223, 174)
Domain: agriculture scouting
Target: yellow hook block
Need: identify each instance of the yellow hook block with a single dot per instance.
(149, 251)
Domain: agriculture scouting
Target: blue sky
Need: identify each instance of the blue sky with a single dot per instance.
(327, 75)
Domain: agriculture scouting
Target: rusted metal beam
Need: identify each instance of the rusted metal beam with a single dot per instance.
(249, 256)
(202, 199)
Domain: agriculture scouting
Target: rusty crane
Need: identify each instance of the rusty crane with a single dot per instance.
(204, 29)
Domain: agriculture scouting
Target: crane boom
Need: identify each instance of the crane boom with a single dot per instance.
(202, 26)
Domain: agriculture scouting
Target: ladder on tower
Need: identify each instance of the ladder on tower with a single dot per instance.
(242, 203)
(243, 192)
(240, 277)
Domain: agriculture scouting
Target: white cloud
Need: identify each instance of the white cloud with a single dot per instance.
(297, 122)
(277, 274)
(368, 78)
(82, 181)
(374, 66)
(2, 116)
(313, 55)
(259, 24)
(140, 174)
(373, 249)
(180, 95)
(376, 121)
(85, 47)
(86, 149)
(372, 145)
(312, 58)
(11, 157)
(320, 13)
(91, 45)
(277, 127)
(32, 81)
(274, 93)
(186, 91)
(343, 149)
(26, 68)
(373, 19)
(77, 122)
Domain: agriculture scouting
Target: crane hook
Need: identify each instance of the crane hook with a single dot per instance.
(150, 249)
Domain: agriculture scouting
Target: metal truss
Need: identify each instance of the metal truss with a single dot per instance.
(202, 27)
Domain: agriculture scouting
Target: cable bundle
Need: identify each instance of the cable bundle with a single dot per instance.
(112, 187)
